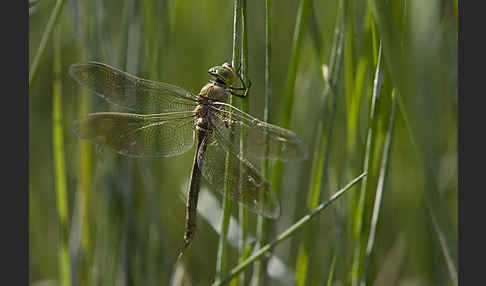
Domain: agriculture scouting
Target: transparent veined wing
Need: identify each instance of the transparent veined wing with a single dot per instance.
(260, 139)
(136, 94)
(246, 186)
(134, 135)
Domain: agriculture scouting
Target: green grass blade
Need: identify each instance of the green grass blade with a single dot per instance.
(443, 245)
(442, 239)
(322, 149)
(51, 23)
(85, 165)
(354, 102)
(152, 38)
(288, 233)
(60, 167)
(300, 27)
(321, 152)
(245, 106)
(349, 70)
(221, 255)
(82, 251)
(331, 271)
(262, 224)
(315, 34)
(379, 190)
(358, 220)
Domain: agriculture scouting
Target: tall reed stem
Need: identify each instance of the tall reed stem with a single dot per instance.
(379, 191)
(221, 255)
(377, 83)
(245, 107)
(262, 223)
(51, 23)
(300, 26)
(320, 163)
(60, 167)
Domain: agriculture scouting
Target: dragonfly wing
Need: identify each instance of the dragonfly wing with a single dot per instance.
(260, 139)
(134, 135)
(246, 184)
(136, 94)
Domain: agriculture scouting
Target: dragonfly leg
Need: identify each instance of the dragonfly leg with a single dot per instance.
(239, 69)
(245, 88)
(241, 79)
(237, 94)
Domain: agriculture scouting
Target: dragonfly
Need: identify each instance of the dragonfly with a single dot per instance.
(164, 120)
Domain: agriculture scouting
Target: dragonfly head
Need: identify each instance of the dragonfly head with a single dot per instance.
(225, 73)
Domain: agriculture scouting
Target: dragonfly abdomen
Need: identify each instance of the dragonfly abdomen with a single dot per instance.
(192, 196)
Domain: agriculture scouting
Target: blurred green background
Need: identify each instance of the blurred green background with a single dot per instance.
(125, 217)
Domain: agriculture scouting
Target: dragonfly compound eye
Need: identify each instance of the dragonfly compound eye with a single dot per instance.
(224, 73)
(228, 66)
(227, 76)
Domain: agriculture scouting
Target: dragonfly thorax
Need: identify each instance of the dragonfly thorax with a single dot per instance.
(215, 91)
(210, 93)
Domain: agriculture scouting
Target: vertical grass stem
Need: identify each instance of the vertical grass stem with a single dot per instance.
(221, 255)
(377, 83)
(59, 166)
(51, 23)
(262, 223)
(379, 190)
